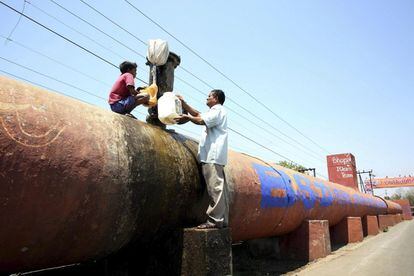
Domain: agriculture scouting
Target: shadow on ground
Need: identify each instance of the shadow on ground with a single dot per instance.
(245, 264)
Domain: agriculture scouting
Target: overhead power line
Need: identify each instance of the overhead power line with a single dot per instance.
(255, 124)
(258, 118)
(181, 79)
(36, 83)
(99, 97)
(98, 29)
(251, 140)
(50, 77)
(54, 90)
(225, 76)
(17, 23)
(63, 37)
(75, 70)
(55, 61)
(210, 86)
(113, 22)
(75, 30)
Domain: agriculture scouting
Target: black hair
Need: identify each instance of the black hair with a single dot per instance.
(219, 94)
(126, 66)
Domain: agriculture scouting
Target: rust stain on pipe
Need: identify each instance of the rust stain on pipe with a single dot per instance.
(79, 183)
(270, 200)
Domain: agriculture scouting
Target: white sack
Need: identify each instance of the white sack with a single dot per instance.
(157, 52)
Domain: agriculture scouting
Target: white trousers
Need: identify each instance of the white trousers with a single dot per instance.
(218, 209)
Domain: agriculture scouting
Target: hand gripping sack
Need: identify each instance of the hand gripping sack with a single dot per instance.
(157, 52)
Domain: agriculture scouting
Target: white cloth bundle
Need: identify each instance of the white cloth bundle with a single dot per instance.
(157, 52)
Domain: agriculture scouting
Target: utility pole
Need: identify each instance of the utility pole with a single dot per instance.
(309, 169)
(370, 178)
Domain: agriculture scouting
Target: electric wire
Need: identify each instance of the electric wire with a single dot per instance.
(46, 87)
(56, 61)
(99, 97)
(96, 28)
(78, 46)
(188, 131)
(225, 76)
(263, 146)
(76, 31)
(50, 77)
(84, 35)
(113, 22)
(63, 37)
(62, 64)
(260, 136)
(255, 124)
(59, 92)
(17, 23)
(37, 84)
(140, 40)
(210, 86)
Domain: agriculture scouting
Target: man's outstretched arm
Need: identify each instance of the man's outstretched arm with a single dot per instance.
(195, 119)
(188, 108)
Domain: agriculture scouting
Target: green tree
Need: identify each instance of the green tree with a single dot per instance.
(410, 196)
(396, 196)
(291, 165)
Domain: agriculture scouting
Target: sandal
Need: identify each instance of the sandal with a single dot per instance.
(207, 225)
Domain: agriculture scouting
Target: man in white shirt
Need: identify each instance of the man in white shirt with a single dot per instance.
(212, 153)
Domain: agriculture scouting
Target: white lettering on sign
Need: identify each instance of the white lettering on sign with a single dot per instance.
(341, 161)
(346, 175)
(343, 169)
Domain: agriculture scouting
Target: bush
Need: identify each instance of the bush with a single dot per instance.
(410, 196)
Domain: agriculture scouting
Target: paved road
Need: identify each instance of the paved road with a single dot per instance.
(389, 253)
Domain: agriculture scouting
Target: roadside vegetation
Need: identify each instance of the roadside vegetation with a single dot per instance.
(403, 195)
(292, 166)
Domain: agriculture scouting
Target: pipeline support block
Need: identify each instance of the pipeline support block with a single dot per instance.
(309, 242)
(349, 230)
(385, 221)
(370, 225)
(398, 218)
(406, 208)
(206, 252)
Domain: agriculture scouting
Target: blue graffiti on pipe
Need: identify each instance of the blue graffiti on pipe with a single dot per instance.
(274, 180)
(327, 198)
(342, 198)
(306, 192)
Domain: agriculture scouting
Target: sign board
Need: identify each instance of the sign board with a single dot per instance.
(391, 182)
(342, 170)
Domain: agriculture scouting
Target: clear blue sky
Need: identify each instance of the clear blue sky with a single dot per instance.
(342, 72)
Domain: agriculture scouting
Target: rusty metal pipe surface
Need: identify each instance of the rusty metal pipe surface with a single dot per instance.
(270, 200)
(79, 183)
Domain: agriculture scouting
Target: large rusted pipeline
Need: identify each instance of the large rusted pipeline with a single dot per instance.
(79, 182)
(270, 200)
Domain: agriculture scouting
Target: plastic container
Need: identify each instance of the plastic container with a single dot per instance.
(152, 91)
(169, 108)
